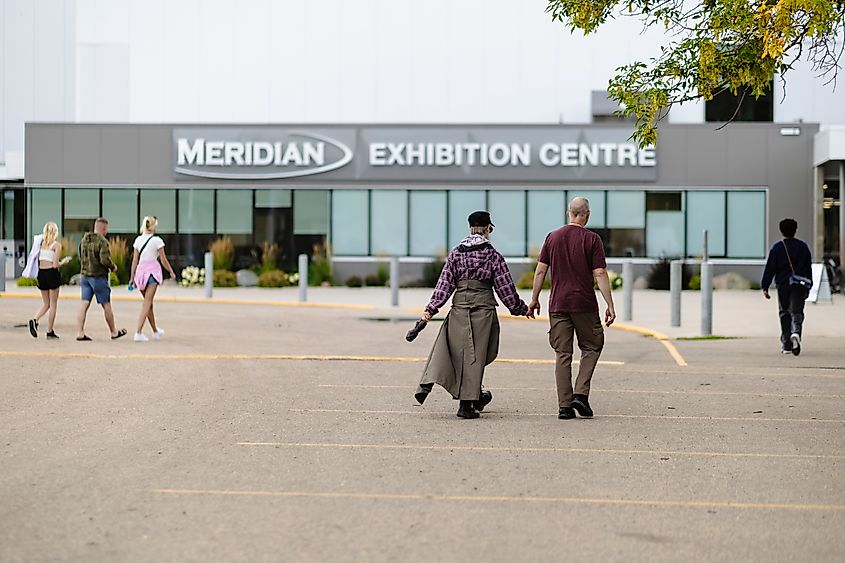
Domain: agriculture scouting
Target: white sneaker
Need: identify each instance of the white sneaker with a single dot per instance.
(795, 339)
(139, 337)
(158, 334)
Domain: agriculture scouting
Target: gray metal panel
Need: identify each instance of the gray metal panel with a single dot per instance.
(82, 154)
(601, 104)
(120, 149)
(790, 174)
(154, 160)
(705, 156)
(44, 153)
(747, 152)
(672, 153)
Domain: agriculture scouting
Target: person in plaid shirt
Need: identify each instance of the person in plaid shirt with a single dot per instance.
(468, 341)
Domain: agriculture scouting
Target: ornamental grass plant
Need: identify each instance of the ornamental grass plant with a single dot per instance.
(119, 250)
(223, 250)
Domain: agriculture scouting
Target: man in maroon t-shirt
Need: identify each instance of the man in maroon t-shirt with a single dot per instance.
(575, 256)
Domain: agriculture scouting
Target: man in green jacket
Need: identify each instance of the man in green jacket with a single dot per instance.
(96, 264)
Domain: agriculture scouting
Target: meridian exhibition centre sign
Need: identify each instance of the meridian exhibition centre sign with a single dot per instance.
(418, 153)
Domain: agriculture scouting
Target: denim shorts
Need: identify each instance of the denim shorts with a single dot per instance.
(95, 286)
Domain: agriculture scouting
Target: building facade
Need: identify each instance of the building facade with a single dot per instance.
(369, 191)
(394, 65)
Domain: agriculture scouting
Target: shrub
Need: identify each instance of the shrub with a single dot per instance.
(373, 280)
(72, 268)
(114, 280)
(27, 282)
(223, 250)
(615, 280)
(225, 278)
(119, 251)
(354, 281)
(269, 255)
(658, 276)
(431, 272)
(695, 282)
(383, 275)
(526, 280)
(192, 276)
(320, 269)
(273, 278)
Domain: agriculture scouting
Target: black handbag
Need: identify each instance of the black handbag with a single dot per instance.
(794, 279)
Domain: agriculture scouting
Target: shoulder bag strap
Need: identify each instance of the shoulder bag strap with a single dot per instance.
(144, 246)
(785, 249)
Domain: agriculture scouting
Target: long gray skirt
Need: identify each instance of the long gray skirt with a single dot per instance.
(467, 343)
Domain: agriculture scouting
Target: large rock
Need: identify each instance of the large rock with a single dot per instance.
(74, 280)
(246, 278)
(731, 280)
(640, 283)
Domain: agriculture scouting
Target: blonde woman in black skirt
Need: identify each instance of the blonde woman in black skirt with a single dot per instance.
(49, 280)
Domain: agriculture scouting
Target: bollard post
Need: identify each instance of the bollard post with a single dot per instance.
(209, 274)
(303, 278)
(3, 269)
(628, 289)
(706, 298)
(394, 281)
(676, 268)
(706, 291)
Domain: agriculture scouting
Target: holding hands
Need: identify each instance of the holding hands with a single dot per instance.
(609, 316)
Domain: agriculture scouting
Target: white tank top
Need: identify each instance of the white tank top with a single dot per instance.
(47, 255)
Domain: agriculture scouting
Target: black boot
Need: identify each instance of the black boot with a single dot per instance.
(483, 400)
(580, 404)
(422, 392)
(467, 410)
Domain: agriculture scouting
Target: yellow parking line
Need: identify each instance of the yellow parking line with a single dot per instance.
(659, 336)
(213, 301)
(603, 390)
(278, 357)
(539, 450)
(631, 416)
(507, 499)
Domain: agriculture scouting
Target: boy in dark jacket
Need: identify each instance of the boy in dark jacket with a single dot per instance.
(788, 256)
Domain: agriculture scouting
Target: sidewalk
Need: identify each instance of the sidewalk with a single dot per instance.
(735, 313)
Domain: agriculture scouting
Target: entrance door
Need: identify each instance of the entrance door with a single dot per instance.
(275, 225)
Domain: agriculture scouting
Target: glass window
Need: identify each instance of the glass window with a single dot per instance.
(705, 210)
(196, 211)
(428, 223)
(272, 199)
(663, 201)
(389, 222)
(742, 106)
(507, 209)
(45, 205)
(120, 207)
(234, 212)
(350, 222)
(665, 224)
(625, 242)
(546, 212)
(461, 204)
(162, 205)
(310, 212)
(598, 213)
(82, 203)
(746, 224)
(625, 210)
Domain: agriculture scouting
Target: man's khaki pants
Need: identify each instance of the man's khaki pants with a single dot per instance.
(588, 328)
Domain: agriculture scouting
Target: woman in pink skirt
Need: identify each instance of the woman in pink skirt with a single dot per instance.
(147, 274)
